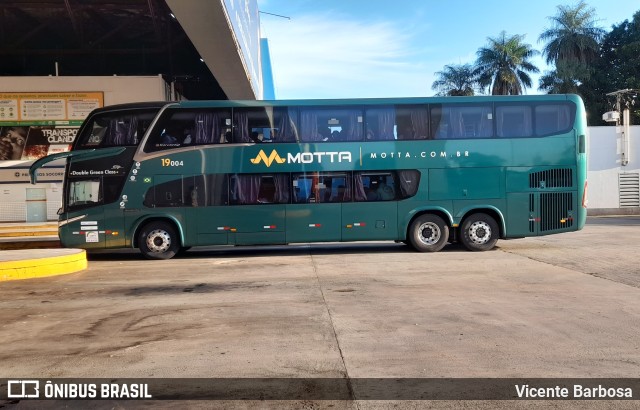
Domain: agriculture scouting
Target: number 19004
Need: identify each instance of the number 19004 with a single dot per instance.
(166, 162)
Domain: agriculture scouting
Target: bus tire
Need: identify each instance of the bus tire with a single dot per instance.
(428, 233)
(158, 240)
(479, 232)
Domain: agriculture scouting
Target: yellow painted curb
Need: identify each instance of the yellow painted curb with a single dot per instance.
(60, 262)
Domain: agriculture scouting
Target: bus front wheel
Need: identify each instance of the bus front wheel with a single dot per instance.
(158, 240)
(428, 233)
(479, 232)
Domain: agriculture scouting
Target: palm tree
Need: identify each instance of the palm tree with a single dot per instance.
(503, 65)
(455, 80)
(572, 42)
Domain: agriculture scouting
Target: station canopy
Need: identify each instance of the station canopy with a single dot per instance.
(125, 37)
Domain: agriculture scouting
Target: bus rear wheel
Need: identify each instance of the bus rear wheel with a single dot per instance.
(158, 240)
(479, 232)
(428, 233)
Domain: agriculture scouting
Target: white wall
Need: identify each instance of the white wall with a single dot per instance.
(605, 165)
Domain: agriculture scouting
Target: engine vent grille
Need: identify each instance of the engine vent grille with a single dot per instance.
(552, 178)
(556, 211)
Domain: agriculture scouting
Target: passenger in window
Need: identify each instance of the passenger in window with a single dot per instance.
(372, 191)
(370, 135)
(255, 137)
(406, 133)
(194, 196)
(167, 138)
(187, 137)
(385, 192)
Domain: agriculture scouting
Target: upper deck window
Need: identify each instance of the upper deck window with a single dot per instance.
(179, 127)
(397, 122)
(554, 118)
(264, 124)
(114, 129)
(514, 120)
(333, 124)
(456, 121)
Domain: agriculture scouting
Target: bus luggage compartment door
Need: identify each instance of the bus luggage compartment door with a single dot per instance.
(255, 224)
(314, 222)
(366, 221)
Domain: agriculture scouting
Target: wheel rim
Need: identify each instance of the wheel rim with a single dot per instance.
(429, 233)
(480, 232)
(158, 241)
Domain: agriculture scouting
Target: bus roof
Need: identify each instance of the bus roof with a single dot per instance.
(374, 101)
(337, 102)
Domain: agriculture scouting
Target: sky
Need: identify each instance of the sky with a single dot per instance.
(393, 48)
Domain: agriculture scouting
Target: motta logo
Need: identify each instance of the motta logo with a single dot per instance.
(262, 157)
(302, 157)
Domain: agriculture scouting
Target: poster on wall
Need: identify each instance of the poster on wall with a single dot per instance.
(33, 125)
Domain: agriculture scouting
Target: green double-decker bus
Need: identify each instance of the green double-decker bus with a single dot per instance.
(165, 177)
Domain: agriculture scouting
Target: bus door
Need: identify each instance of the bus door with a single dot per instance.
(205, 198)
(314, 214)
(374, 214)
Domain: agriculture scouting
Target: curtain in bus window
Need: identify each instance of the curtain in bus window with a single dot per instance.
(241, 130)
(353, 125)
(286, 128)
(247, 188)
(455, 121)
(419, 122)
(122, 131)
(514, 121)
(209, 128)
(380, 123)
(412, 122)
(309, 126)
(359, 192)
(281, 182)
(409, 180)
(348, 191)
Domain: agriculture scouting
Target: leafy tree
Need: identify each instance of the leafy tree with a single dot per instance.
(503, 65)
(455, 80)
(616, 68)
(572, 44)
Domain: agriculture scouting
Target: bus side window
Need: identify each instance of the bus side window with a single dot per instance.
(285, 124)
(249, 125)
(371, 186)
(514, 120)
(412, 122)
(455, 121)
(331, 124)
(217, 189)
(194, 191)
(380, 123)
(553, 118)
(301, 188)
(249, 189)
